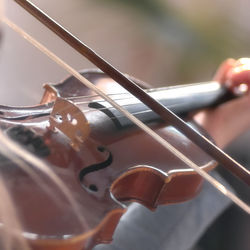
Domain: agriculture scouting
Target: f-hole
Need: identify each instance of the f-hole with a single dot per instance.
(93, 187)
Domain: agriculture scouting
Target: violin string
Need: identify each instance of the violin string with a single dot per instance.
(115, 116)
(88, 97)
(100, 101)
(151, 90)
(122, 116)
(145, 128)
(129, 96)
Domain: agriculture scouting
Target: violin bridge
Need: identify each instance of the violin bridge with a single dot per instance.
(70, 120)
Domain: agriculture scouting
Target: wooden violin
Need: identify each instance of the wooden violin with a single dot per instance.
(111, 162)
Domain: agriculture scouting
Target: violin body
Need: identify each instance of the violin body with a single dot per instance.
(103, 163)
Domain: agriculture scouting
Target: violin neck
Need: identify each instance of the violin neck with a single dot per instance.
(179, 99)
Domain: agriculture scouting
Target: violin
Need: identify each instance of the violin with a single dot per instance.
(113, 164)
(102, 158)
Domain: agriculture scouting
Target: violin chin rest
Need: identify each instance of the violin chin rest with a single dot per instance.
(152, 187)
(142, 184)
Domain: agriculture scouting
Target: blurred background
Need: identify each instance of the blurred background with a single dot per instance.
(161, 42)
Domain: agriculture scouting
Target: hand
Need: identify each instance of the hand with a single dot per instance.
(227, 121)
